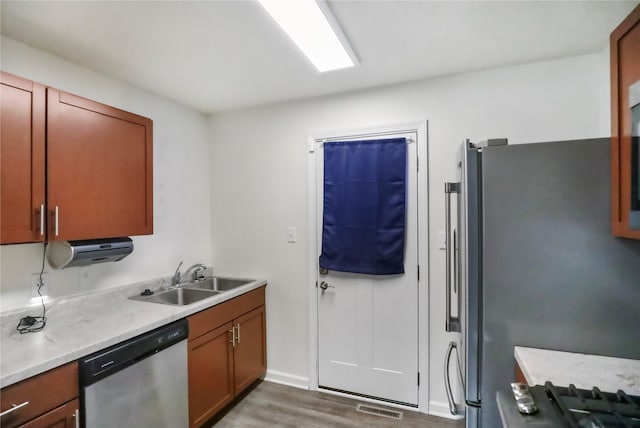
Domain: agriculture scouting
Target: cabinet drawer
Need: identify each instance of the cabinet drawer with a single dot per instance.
(65, 416)
(211, 318)
(43, 393)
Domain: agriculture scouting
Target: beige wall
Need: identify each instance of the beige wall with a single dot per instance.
(181, 185)
(227, 188)
(259, 178)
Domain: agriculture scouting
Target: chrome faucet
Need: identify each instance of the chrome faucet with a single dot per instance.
(177, 276)
(195, 268)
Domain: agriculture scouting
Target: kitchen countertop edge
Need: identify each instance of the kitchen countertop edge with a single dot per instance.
(52, 348)
(583, 370)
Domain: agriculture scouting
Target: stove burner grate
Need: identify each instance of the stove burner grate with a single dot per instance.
(583, 408)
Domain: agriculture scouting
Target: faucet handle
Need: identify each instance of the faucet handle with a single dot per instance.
(177, 276)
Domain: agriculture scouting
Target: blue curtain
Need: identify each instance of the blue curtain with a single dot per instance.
(364, 209)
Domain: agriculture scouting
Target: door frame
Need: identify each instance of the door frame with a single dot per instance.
(313, 141)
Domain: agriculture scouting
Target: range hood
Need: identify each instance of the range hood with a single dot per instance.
(64, 254)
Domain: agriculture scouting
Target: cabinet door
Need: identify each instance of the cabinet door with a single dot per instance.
(65, 416)
(41, 393)
(210, 374)
(22, 145)
(625, 71)
(99, 170)
(250, 352)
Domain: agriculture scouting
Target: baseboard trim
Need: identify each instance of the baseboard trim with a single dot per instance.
(368, 400)
(287, 379)
(440, 409)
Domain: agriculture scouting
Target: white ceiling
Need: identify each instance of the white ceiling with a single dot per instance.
(220, 55)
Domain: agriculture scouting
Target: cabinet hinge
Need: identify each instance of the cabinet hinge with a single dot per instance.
(418, 378)
(418, 272)
(417, 164)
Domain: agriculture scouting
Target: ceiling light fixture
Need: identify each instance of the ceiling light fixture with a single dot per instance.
(314, 30)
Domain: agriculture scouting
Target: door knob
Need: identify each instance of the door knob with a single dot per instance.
(324, 285)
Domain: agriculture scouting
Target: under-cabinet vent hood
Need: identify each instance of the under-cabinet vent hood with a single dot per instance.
(63, 254)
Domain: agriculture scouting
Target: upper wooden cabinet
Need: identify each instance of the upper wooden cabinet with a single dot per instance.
(625, 71)
(99, 170)
(22, 154)
(99, 167)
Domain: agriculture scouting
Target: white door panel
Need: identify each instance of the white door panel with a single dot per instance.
(368, 324)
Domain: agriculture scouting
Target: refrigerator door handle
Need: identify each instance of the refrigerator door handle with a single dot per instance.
(456, 267)
(451, 323)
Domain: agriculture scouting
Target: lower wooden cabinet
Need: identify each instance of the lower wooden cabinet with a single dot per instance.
(227, 353)
(211, 383)
(519, 374)
(51, 400)
(249, 351)
(65, 416)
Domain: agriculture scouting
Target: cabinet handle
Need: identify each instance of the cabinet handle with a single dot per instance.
(238, 333)
(233, 336)
(13, 408)
(57, 220)
(76, 416)
(41, 219)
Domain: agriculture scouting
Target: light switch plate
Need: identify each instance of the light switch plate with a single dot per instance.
(442, 240)
(291, 234)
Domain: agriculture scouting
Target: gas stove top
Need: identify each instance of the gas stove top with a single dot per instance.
(570, 407)
(593, 408)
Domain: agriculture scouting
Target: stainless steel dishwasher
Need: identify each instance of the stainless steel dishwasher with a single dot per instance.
(139, 383)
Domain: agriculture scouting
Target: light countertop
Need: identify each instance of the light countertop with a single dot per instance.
(80, 325)
(583, 370)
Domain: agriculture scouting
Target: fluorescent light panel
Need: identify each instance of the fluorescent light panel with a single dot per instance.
(308, 27)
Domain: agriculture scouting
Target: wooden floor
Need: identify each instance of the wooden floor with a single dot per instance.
(273, 405)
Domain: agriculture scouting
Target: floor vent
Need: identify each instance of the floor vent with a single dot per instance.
(379, 411)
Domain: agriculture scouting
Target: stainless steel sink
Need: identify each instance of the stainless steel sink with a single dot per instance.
(178, 296)
(194, 291)
(215, 283)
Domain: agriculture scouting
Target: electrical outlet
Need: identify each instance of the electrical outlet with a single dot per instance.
(35, 279)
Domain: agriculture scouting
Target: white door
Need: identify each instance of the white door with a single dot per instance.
(368, 324)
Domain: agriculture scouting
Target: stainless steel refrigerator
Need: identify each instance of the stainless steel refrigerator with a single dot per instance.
(535, 263)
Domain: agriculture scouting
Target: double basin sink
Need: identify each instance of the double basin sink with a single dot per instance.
(191, 292)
